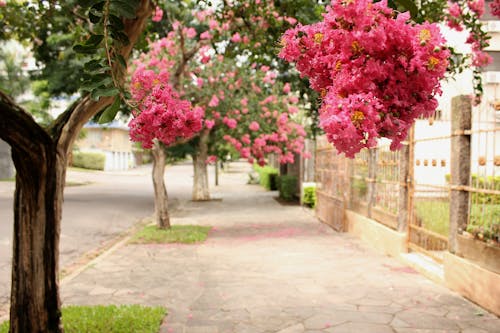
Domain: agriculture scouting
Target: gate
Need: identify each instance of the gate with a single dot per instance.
(331, 177)
(429, 194)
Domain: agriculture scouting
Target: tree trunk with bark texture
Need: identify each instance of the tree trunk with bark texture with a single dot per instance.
(40, 157)
(161, 198)
(200, 182)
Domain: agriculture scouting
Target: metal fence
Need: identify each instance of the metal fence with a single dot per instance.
(446, 182)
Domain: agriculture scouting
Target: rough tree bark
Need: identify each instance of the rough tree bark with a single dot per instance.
(200, 182)
(40, 157)
(161, 198)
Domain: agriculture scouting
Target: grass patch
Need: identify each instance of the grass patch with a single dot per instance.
(12, 179)
(74, 168)
(110, 319)
(435, 216)
(187, 234)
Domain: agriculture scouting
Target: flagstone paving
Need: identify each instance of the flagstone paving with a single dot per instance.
(268, 267)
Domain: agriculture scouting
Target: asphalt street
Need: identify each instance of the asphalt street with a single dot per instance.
(107, 205)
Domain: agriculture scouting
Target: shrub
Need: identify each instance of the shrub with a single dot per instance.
(287, 187)
(86, 160)
(309, 198)
(267, 177)
(491, 183)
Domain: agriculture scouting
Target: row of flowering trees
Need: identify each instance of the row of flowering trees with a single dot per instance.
(105, 32)
(188, 89)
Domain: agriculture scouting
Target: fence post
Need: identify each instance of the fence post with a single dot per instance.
(461, 114)
(372, 174)
(404, 182)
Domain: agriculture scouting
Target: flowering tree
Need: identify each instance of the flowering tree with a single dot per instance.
(161, 119)
(216, 84)
(265, 117)
(40, 152)
(465, 15)
(375, 71)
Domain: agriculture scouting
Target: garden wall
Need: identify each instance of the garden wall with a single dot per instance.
(379, 236)
(473, 282)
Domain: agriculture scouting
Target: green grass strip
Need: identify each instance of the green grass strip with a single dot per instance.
(187, 234)
(110, 319)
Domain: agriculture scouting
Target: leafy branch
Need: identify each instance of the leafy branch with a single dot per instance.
(104, 72)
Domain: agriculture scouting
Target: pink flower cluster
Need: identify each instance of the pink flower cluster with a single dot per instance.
(456, 15)
(157, 15)
(268, 130)
(161, 114)
(375, 71)
(495, 8)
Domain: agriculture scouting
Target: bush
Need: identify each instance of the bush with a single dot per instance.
(85, 160)
(287, 187)
(267, 177)
(309, 198)
(491, 183)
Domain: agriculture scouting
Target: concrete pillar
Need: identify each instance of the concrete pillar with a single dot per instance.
(372, 174)
(461, 114)
(405, 163)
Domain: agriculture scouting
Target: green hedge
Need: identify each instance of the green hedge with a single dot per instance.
(85, 160)
(287, 186)
(267, 177)
(309, 198)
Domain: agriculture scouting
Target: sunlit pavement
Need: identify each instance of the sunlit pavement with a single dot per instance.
(271, 268)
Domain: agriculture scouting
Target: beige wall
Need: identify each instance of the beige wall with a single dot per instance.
(111, 139)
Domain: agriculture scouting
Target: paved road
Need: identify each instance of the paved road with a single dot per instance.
(272, 268)
(95, 213)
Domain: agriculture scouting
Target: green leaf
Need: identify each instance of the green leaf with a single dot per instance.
(110, 112)
(94, 40)
(104, 92)
(88, 3)
(120, 37)
(85, 49)
(94, 18)
(92, 65)
(122, 8)
(116, 22)
(93, 84)
(410, 6)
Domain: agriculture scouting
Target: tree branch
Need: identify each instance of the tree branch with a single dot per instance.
(19, 129)
(68, 126)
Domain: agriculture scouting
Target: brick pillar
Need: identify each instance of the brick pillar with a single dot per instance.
(460, 166)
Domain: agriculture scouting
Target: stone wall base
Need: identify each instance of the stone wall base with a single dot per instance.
(384, 239)
(473, 282)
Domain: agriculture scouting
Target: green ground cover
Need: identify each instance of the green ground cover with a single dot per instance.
(109, 319)
(187, 234)
(435, 216)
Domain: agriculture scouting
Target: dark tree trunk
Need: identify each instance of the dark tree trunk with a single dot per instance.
(37, 213)
(40, 158)
(200, 182)
(161, 198)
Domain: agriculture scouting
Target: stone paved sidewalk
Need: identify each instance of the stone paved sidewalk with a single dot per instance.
(272, 268)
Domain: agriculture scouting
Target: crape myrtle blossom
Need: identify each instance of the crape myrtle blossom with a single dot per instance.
(268, 127)
(495, 8)
(466, 15)
(376, 72)
(213, 95)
